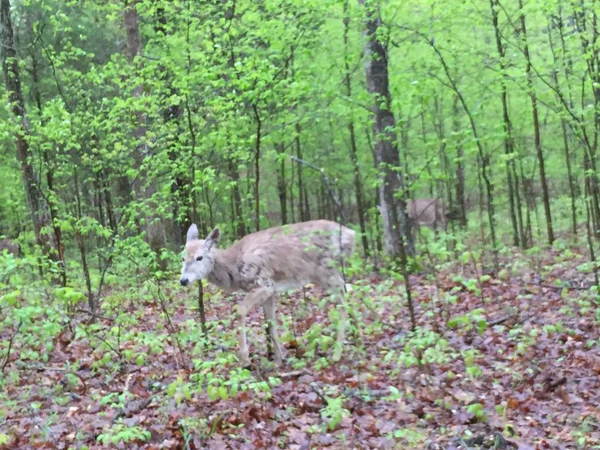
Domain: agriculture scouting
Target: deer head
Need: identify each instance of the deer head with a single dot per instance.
(199, 257)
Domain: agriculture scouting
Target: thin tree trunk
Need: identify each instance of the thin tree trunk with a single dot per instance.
(81, 245)
(306, 204)
(483, 157)
(156, 235)
(358, 190)
(291, 193)
(508, 139)
(172, 116)
(563, 126)
(51, 197)
(536, 130)
(237, 199)
(563, 122)
(12, 82)
(281, 184)
(460, 167)
(301, 190)
(257, 168)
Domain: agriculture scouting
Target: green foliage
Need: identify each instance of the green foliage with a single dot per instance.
(473, 320)
(421, 347)
(121, 433)
(334, 412)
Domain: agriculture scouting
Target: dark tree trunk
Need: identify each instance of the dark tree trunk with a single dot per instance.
(391, 191)
(536, 130)
(483, 157)
(306, 204)
(81, 245)
(257, 168)
(460, 167)
(155, 232)
(51, 197)
(237, 199)
(172, 116)
(358, 188)
(301, 189)
(12, 82)
(281, 184)
(508, 139)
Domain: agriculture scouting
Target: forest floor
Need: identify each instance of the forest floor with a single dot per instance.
(502, 360)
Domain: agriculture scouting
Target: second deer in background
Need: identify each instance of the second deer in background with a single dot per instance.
(427, 212)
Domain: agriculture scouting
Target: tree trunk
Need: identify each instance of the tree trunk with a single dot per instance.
(257, 168)
(301, 190)
(536, 130)
(563, 122)
(483, 156)
(51, 197)
(12, 81)
(460, 167)
(172, 116)
(281, 184)
(358, 188)
(155, 231)
(387, 160)
(508, 140)
(237, 199)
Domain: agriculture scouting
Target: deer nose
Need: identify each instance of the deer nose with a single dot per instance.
(184, 281)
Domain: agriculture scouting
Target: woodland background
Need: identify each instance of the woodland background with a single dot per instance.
(126, 121)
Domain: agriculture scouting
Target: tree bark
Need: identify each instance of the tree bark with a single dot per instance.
(563, 122)
(237, 199)
(387, 160)
(301, 189)
(536, 129)
(508, 139)
(358, 188)
(460, 167)
(257, 168)
(155, 231)
(482, 155)
(12, 81)
(281, 184)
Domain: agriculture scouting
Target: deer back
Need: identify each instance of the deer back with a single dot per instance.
(286, 257)
(426, 211)
(10, 246)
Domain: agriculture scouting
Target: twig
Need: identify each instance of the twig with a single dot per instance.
(501, 320)
(294, 373)
(317, 390)
(94, 315)
(10, 344)
(201, 306)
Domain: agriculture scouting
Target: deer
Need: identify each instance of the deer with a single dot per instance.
(10, 246)
(266, 263)
(426, 212)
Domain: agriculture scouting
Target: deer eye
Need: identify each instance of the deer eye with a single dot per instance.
(199, 258)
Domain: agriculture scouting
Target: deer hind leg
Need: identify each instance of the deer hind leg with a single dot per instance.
(335, 283)
(269, 310)
(253, 298)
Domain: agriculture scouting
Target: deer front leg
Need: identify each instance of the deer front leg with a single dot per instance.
(269, 309)
(252, 299)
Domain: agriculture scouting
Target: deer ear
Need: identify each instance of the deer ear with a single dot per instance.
(212, 238)
(192, 233)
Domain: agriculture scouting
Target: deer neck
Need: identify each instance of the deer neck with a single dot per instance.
(222, 274)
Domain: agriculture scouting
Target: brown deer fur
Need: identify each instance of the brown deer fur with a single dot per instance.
(426, 212)
(10, 246)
